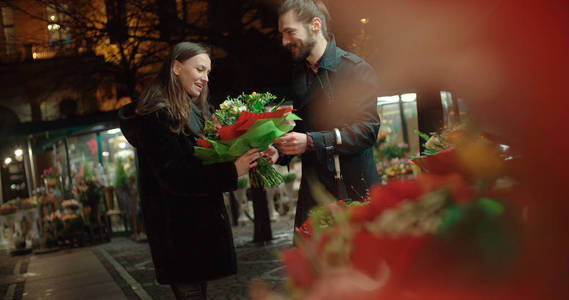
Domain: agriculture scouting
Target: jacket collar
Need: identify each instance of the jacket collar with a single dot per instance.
(330, 58)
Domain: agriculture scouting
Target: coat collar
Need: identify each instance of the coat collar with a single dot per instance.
(329, 60)
(331, 56)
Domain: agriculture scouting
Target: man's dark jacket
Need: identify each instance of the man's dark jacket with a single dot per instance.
(341, 95)
(184, 213)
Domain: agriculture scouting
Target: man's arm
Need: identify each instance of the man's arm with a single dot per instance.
(359, 101)
(360, 104)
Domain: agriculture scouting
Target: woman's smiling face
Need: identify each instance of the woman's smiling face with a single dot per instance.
(193, 73)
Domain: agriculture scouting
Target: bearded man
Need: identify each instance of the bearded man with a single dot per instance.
(335, 95)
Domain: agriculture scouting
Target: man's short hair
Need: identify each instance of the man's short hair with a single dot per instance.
(306, 10)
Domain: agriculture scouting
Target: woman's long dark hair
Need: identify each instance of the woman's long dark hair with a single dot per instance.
(166, 91)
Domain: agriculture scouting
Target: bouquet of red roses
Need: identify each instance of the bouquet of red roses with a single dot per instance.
(241, 124)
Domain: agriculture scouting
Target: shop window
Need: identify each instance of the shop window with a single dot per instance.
(398, 114)
(115, 148)
(450, 108)
(13, 178)
(9, 32)
(61, 168)
(84, 157)
(58, 34)
(462, 108)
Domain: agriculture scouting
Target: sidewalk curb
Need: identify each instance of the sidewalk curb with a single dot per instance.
(115, 268)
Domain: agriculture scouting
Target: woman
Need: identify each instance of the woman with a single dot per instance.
(186, 222)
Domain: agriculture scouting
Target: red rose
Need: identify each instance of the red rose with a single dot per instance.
(204, 143)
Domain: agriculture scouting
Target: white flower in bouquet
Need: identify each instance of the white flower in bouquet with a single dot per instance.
(433, 143)
(226, 104)
(235, 110)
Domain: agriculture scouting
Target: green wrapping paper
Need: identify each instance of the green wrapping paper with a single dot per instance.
(260, 135)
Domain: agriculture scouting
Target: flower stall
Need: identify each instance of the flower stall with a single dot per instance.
(450, 233)
(19, 223)
(60, 159)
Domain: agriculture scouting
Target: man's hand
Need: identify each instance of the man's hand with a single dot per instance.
(292, 143)
(271, 154)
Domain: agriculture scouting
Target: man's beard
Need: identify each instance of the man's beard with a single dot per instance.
(304, 49)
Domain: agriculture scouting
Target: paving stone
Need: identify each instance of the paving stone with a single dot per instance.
(255, 262)
(8, 273)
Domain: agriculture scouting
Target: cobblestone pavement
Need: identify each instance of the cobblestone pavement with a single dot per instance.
(254, 262)
(12, 275)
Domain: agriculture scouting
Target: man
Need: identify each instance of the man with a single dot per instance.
(333, 89)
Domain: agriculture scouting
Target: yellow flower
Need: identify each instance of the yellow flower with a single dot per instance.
(481, 159)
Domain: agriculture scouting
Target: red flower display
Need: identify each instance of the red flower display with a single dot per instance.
(441, 163)
(204, 143)
(370, 251)
(298, 267)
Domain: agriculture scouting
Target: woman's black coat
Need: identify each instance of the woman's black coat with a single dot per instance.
(185, 218)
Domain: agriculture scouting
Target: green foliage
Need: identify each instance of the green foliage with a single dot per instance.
(242, 183)
(481, 226)
(264, 175)
(294, 159)
(87, 173)
(433, 144)
(230, 110)
(290, 177)
(423, 136)
(393, 151)
(321, 216)
(256, 102)
(121, 179)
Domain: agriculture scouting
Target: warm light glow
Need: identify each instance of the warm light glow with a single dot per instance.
(122, 145)
(364, 20)
(34, 55)
(52, 18)
(105, 153)
(53, 27)
(8, 160)
(409, 97)
(387, 100)
(113, 131)
(18, 152)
